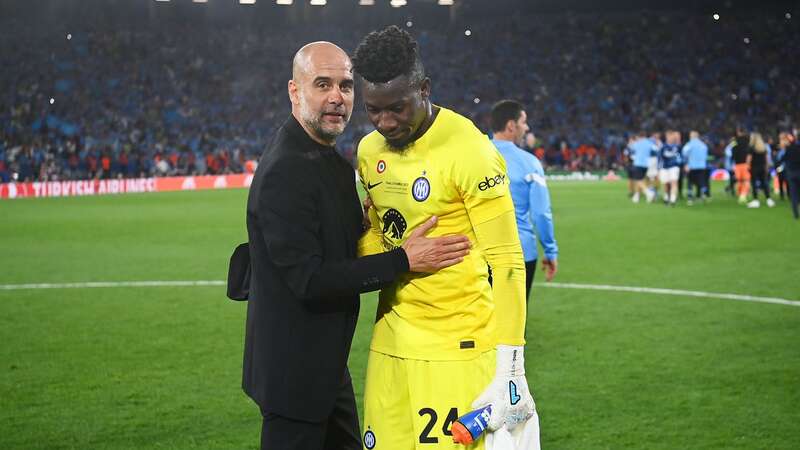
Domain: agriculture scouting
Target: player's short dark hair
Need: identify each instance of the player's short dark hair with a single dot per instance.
(503, 111)
(387, 54)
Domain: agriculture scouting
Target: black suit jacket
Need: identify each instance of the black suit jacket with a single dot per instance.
(303, 223)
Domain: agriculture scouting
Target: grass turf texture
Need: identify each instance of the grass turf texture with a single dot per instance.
(135, 368)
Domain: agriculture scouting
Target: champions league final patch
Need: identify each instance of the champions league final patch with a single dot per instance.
(421, 189)
(381, 166)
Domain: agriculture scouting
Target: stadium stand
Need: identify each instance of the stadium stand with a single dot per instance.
(130, 102)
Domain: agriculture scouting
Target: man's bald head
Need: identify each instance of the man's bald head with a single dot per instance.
(318, 53)
(321, 90)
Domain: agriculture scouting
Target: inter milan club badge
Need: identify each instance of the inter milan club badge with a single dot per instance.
(421, 189)
(381, 166)
(369, 439)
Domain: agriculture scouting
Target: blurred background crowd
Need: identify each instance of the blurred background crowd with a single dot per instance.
(133, 100)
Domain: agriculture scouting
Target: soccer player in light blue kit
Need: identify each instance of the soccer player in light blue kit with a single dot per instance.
(528, 189)
(641, 148)
(695, 154)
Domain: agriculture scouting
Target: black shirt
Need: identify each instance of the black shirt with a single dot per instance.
(792, 159)
(741, 149)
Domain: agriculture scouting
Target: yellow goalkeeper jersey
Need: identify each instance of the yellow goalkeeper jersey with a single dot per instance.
(455, 173)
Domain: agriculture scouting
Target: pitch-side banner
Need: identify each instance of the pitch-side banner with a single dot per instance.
(75, 188)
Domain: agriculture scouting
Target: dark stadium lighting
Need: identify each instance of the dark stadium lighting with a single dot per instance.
(715, 16)
(734, 96)
(747, 40)
(788, 16)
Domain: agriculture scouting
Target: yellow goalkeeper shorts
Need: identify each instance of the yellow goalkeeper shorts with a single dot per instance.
(411, 404)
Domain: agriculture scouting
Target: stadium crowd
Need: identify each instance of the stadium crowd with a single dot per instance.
(134, 102)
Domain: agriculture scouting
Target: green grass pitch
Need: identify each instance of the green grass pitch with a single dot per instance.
(159, 367)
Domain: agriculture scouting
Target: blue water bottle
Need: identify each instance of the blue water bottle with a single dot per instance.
(471, 425)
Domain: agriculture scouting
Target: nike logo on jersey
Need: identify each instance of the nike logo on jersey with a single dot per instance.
(370, 185)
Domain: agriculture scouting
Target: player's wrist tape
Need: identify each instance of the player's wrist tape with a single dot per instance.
(510, 361)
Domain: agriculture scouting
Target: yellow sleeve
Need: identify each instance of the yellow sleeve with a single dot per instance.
(484, 187)
(371, 242)
(500, 243)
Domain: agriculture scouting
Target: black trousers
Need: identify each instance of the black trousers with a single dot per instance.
(794, 192)
(697, 178)
(530, 272)
(758, 179)
(731, 183)
(782, 184)
(339, 432)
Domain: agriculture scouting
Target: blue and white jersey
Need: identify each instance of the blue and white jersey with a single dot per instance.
(531, 200)
(729, 156)
(655, 147)
(669, 156)
(695, 154)
(779, 159)
(769, 154)
(641, 150)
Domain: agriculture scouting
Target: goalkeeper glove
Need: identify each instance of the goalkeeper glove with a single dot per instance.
(508, 393)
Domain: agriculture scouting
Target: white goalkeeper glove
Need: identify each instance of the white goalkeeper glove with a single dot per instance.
(508, 393)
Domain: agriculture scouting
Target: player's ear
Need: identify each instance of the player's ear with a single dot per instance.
(292, 88)
(510, 126)
(425, 88)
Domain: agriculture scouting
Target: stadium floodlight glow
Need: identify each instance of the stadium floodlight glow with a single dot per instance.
(52, 100)
(69, 36)
(446, 2)
(409, 24)
(477, 100)
(162, 0)
(715, 16)
(366, 2)
(199, 1)
(319, 2)
(283, 2)
(247, 2)
(747, 40)
(468, 32)
(398, 3)
(788, 16)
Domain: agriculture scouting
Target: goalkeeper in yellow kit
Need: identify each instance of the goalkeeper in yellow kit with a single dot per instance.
(448, 342)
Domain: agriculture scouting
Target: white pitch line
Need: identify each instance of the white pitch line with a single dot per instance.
(679, 292)
(109, 284)
(595, 287)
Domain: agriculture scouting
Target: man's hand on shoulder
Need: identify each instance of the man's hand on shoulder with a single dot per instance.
(433, 254)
